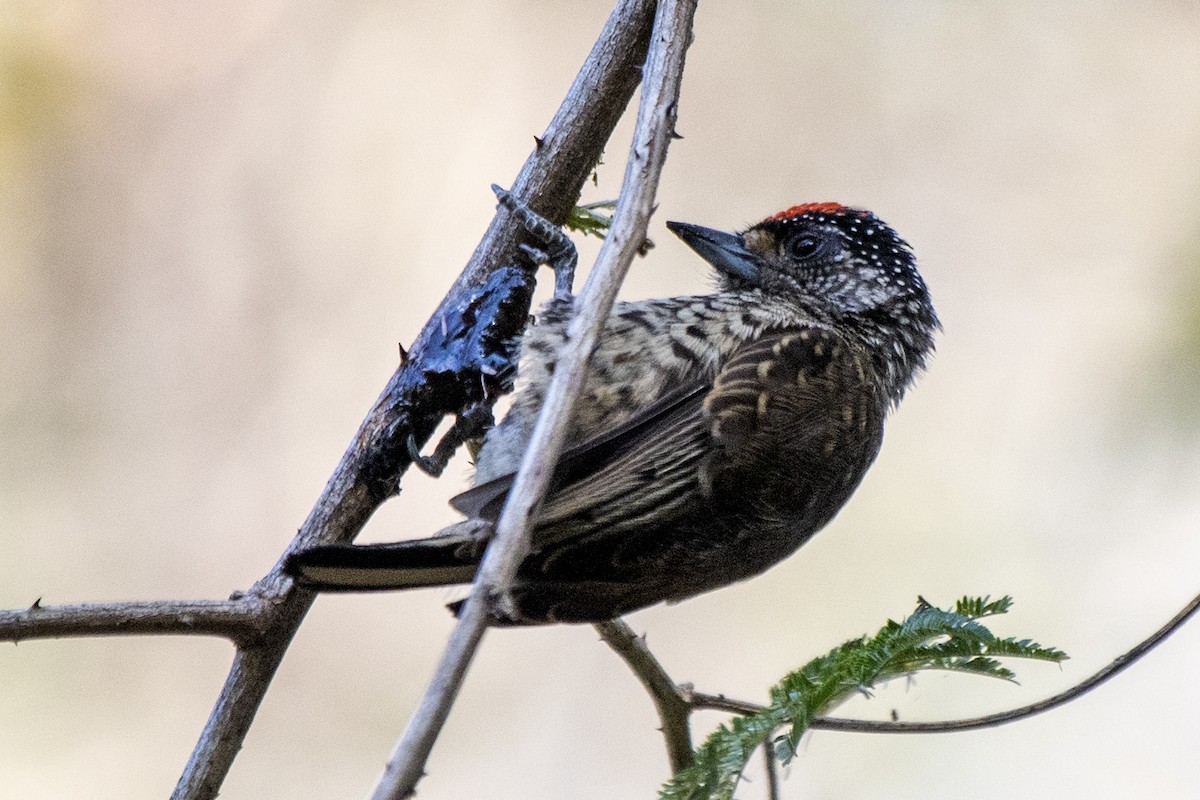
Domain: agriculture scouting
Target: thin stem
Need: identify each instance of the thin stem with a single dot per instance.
(240, 620)
(662, 77)
(719, 702)
(772, 771)
(672, 705)
(407, 765)
(1118, 665)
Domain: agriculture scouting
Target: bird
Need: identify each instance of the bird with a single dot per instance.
(715, 434)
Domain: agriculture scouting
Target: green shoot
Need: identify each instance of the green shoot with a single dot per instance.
(930, 638)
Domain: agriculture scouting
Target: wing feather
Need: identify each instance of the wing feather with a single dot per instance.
(659, 463)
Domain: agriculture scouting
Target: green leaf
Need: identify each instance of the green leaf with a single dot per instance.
(588, 220)
(978, 607)
(928, 639)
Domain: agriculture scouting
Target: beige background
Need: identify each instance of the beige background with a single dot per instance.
(217, 220)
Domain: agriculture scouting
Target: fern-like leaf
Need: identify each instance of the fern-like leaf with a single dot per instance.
(928, 639)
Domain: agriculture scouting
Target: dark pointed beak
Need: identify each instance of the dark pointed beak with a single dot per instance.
(723, 250)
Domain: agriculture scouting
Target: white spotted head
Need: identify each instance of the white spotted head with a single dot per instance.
(843, 265)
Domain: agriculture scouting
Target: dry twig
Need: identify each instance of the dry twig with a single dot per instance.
(663, 75)
(263, 621)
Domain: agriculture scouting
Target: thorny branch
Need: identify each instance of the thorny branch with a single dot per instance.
(241, 620)
(663, 75)
(262, 621)
(369, 472)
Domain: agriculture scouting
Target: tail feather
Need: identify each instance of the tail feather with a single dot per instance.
(440, 561)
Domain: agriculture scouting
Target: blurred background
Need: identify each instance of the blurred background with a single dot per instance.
(217, 220)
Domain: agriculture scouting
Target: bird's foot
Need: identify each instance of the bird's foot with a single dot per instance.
(470, 424)
(556, 248)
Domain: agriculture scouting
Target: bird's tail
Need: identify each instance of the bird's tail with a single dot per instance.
(437, 561)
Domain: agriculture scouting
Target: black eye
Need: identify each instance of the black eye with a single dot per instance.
(804, 246)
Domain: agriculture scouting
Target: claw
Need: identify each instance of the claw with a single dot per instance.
(472, 423)
(430, 465)
(537, 256)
